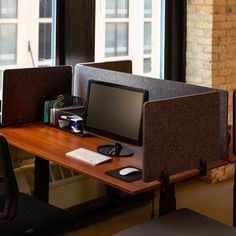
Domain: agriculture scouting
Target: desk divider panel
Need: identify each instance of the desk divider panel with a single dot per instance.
(158, 89)
(26, 90)
(179, 133)
(234, 122)
(234, 152)
(121, 66)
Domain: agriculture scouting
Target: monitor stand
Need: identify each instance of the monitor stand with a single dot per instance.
(114, 150)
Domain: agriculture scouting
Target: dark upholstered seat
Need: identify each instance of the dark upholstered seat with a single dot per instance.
(22, 214)
(183, 222)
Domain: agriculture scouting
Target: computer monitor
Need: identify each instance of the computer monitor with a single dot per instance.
(114, 112)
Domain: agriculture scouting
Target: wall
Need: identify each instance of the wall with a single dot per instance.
(78, 38)
(211, 44)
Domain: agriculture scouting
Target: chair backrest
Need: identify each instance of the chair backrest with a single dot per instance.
(8, 184)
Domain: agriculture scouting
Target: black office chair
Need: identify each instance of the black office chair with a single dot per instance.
(183, 222)
(21, 214)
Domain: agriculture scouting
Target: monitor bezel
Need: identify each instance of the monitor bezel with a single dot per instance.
(110, 135)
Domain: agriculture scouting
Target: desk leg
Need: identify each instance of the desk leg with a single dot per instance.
(114, 195)
(167, 202)
(41, 179)
(234, 198)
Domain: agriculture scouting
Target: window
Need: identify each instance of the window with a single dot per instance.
(45, 9)
(116, 28)
(8, 9)
(147, 47)
(134, 30)
(7, 44)
(147, 8)
(46, 33)
(8, 32)
(147, 65)
(147, 40)
(27, 33)
(117, 8)
(45, 41)
(116, 39)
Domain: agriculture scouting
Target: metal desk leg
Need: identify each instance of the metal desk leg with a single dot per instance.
(41, 179)
(167, 202)
(114, 196)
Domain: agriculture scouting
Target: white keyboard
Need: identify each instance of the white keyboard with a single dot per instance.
(88, 156)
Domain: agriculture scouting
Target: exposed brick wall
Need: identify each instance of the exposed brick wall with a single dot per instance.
(199, 42)
(211, 44)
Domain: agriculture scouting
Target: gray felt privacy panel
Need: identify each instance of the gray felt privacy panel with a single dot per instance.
(158, 89)
(179, 133)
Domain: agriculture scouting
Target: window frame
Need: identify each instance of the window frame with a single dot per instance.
(158, 62)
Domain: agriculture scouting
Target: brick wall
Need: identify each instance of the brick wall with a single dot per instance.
(211, 44)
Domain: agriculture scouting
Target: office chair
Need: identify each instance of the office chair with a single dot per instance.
(183, 222)
(21, 214)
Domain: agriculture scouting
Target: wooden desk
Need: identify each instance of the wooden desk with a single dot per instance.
(50, 144)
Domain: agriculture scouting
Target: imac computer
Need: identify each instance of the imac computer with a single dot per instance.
(114, 112)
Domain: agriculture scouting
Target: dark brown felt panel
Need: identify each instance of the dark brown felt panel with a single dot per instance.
(234, 122)
(121, 66)
(26, 90)
(180, 132)
(158, 89)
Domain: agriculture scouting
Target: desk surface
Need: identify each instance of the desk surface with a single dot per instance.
(51, 144)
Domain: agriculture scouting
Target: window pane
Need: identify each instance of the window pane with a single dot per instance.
(147, 67)
(116, 39)
(8, 8)
(45, 9)
(117, 8)
(7, 44)
(122, 8)
(110, 8)
(110, 40)
(147, 37)
(44, 41)
(147, 8)
(122, 39)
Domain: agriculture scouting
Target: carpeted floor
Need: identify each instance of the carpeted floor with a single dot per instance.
(213, 200)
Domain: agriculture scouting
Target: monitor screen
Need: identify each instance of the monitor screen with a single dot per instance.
(114, 111)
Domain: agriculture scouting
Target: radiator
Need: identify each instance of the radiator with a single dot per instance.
(66, 188)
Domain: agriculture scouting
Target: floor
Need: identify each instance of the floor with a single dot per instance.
(213, 200)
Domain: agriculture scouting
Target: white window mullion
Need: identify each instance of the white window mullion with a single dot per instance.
(136, 35)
